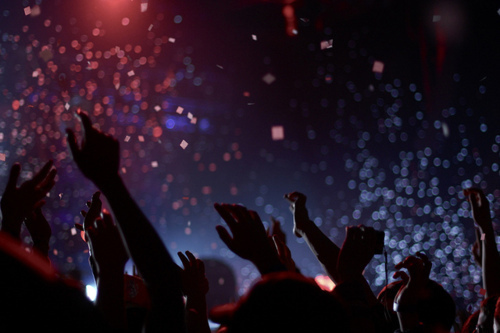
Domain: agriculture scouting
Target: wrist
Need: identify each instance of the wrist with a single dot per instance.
(109, 183)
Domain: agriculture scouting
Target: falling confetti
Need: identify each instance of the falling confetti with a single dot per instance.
(27, 10)
(2, 157)
(154, 164)
(254, 37)
(269, 78)
(183, 144)
(179, 110)
(277, 133)
(326, 44)
(378, 67)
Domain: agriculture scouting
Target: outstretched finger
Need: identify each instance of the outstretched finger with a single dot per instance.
(224, 236)
(48, 183)
(42, 174)
(185, 261)
(87, 124)
(14, 175)
(191, 257)
(224, 212)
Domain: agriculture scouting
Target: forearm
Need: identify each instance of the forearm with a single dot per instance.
(143, 243)
(110, 297)
(323, 248)
(152, 259)
(196, 315)
(491, 262)
(42, 247)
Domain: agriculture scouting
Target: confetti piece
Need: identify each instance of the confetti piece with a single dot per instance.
(295, 32)
(194, 120)
(141, 138)
(144, 7)
(277, 133)
(2, 157)
(190, 115)
(150, 27)
(483, 236)
(157, 108)
(73, 231)
(154, 164)
(254, 37)
(220, 66)
(269, 78)
(179, 109)
(171, 40)
(60, 195)
(127, 138)
(446, 130)
(326, 44)
(184, 144)
(378, 67)
(67, 106)
(124, 170)
(27, 10)
(35, 74)
(131, 73)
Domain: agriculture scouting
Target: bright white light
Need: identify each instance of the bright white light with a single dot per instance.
(91, 292)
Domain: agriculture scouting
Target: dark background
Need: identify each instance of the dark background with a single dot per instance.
(391, 150)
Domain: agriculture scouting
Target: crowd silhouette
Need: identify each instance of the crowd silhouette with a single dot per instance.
(35, 297)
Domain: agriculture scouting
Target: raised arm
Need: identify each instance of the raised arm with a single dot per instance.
(195, 287)
(98, 159)
(249, 237)
(19, 202)
(323, 248)
(108, 260)
(489, 253)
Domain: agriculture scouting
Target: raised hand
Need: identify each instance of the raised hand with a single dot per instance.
(194, 281)
(414, 285)
(102, 236)
(485, 248)
(301, 221)
(18, 202)
(357, 251)
(40, 231)
(98, 156)
(249, 238)
(195, 287)
(480, 207)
